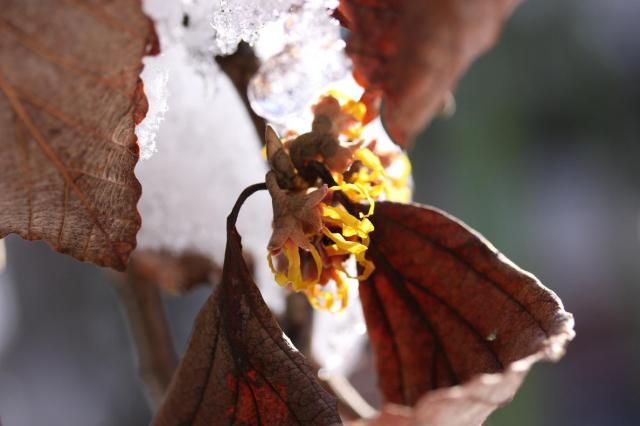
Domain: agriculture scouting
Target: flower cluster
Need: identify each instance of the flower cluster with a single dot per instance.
(324, 185)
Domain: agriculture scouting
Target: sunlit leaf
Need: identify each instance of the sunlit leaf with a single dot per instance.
(70, 97)
(443, 307)
(412, 53)
(239, 367)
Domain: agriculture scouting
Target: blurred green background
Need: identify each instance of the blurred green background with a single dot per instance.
(542, 157)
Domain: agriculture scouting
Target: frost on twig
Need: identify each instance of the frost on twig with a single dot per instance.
(156, 80)
(242, 20)
(303, 53)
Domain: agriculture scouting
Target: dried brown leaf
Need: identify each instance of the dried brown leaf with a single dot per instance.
(70, 97)
(239, 367)
(413, 52)
(444, 309)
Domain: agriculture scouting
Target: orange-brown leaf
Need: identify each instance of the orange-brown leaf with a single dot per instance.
(70, 97)
(413, 52)
(239, 367)
(443, 307)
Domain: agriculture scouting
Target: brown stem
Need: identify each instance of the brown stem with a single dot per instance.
(240, 67)
(150, 333)
(297, 322)
(175, 273)
(349, 399)
(246, 193)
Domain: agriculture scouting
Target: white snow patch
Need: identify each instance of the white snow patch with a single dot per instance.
(155, 88)
(338, 339)
(207, 152)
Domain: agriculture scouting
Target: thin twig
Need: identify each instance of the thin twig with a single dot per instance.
(240, 67)
(297, 322)
(348, 397)
(150, 333)
(175, 273)
(246, 193)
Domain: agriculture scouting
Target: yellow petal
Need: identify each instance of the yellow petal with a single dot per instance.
(339, 216)
(280, 278)
(352, 247)
(367, 265)
(318, 262)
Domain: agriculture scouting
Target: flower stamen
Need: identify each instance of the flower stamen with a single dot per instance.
(319, 230)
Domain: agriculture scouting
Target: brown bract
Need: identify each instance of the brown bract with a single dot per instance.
(444, 309)
(240, 67)
(330, 118)
(295, 214)
(239, 367)
(322, 142)
(279, 159)
(70, 97)
(412, 52)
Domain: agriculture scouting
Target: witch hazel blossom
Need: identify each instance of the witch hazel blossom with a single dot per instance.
(324, 184)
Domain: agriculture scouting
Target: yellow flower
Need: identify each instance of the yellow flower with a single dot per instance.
(316, 229)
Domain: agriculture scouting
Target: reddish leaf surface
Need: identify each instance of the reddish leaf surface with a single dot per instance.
(413, 52)
(443, 307)
(70, 97)
(239, 367)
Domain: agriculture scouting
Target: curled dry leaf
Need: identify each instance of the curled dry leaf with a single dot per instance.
(444, 309)
(239, 367)
(70, 97)
(412, 53)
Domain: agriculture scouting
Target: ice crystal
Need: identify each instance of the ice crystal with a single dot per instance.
(156, 90)
(312, 58)
(242, 20)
